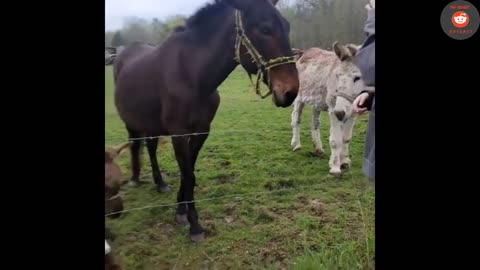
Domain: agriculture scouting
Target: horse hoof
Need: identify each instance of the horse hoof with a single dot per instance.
(163, 189)
(197, 237)
(181, 219)
(297, 147)
(134, 183)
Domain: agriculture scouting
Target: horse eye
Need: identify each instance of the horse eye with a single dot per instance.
(265, 30)
(356, 79)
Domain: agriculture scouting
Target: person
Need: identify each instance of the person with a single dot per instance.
(365, 61)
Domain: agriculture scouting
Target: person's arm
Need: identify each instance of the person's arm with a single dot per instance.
(365, 57)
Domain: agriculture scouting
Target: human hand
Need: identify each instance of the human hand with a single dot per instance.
(370, 5)
(359, 103)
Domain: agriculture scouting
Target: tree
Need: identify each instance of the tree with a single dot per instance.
(117, 39)
(108, 38)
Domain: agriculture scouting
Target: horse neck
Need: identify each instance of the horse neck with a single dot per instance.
(219, 62)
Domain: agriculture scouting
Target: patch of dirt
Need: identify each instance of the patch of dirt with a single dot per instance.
(230, 213)
(210, 228)
(265, 215)
(316, 207)
(275, 250)
(225, 163)
(223, 178)
(279, 184)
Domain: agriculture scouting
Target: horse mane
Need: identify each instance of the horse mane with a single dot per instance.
(207, 17)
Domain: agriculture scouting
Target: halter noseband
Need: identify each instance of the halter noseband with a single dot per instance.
(262, 65)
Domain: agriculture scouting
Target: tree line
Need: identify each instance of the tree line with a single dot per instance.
(312, 23)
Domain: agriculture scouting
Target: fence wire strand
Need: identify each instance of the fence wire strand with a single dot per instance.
(237, 196)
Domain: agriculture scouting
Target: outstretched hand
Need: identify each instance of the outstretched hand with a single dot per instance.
(359, 103)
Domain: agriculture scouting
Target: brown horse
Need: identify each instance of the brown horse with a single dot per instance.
(171, 89)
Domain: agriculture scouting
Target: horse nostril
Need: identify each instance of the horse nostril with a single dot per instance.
(340, 115)
(290, 97)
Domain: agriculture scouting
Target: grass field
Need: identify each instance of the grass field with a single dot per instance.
(310, 220)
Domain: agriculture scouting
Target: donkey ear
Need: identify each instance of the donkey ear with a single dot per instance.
(297, 53)
(341, 52)
(352, 48)
(274, 2)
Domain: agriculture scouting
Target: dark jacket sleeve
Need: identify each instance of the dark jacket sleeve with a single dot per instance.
(365, 58)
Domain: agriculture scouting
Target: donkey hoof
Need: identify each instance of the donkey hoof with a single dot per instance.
(336, 173)
(133, 183)
(181, 219)
(164, 189)
(197, 237)
(318, 152)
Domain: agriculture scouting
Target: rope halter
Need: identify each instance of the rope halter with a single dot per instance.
(262, 65)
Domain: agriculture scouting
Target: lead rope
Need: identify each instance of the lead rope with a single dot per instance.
(262, 65)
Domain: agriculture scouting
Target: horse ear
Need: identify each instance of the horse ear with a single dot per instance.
(274, 2)
(240, 4)
(341, 52)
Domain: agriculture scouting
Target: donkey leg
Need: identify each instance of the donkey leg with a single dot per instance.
(184, 160)
(134, 158)
(295, 124)
(317, 141)
(336, 142)
(162, 187)
(345, 160)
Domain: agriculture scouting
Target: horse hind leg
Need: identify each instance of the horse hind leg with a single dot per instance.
(134, 157)
(296, 118)
(162, 187)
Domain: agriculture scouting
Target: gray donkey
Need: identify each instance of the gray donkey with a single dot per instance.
(329, 81)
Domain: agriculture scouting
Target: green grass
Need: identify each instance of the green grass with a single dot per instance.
(318, 222)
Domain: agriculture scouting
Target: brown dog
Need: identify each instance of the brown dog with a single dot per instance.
(113, 200)
(110, 260)
(113, 181)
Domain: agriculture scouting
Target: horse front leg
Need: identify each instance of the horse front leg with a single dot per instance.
(295, 124)
(186, 192)
(195, 144)
(345, 161)
(336, 144)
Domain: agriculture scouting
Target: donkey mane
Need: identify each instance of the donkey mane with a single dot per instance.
(207, 17)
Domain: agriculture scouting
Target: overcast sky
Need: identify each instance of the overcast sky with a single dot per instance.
(117, 10)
